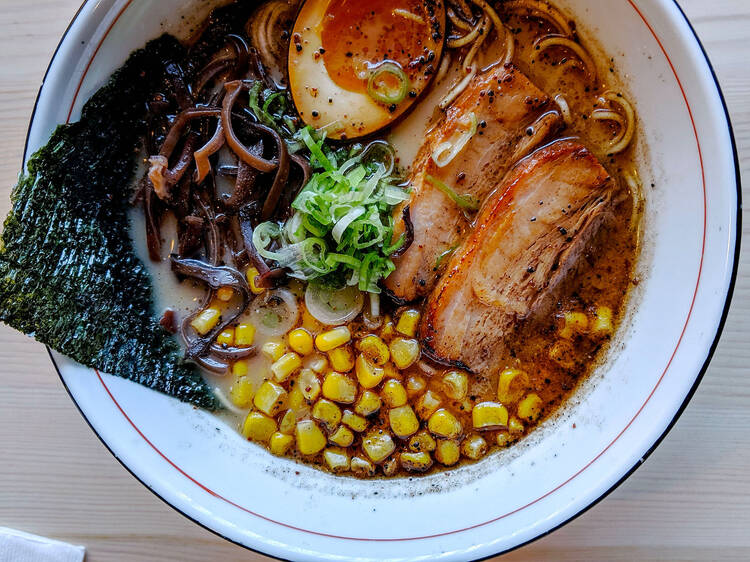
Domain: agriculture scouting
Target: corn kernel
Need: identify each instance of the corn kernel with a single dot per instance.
(241, 393)
(357, 423)
(427, 404)
(602, 325)
(416, 462)
(455, 384)
(339, 388)
(489, 415)
(270, 398)
(504, 439)
(333, 338)
(511, 385)
(408, 322)
(515, 425)
(225, 294)
(226, 337)
(310, 323)
(206, 320)
(327, 413)
(318, 363)
(368, 375)
(404, 353)
(240, 368)
(301, 341)
(374, 349)
(447, 452)
(336, 459)
(285, 366)
(296, 399)
(394, 393)
(530, 408)
(474, 447)
(343, 436)
(287, 423)
(422, 441)
(310, 438)
(390, 466)
(444, 424)
(244, 335)
(388, 329)
(258, 427)
(308, 384)
(273, 349)
(403, 421)
(415, 385)
(280, 442)
(575, 323)
(362, 467)
(563, 354)
(368, 403)
(378, 445)
(251, 274)
(391, 372)
(341, 359)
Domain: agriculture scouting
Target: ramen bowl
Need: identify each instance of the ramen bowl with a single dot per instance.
(204, 469)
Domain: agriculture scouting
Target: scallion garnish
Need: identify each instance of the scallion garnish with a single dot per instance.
(380, 90)
(465, 201)
(341, 231)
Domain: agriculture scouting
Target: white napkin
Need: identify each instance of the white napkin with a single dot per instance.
(17, 546)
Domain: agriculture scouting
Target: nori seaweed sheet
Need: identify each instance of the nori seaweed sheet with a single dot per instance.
(69, 275)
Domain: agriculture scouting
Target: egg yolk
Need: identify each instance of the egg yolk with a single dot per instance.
(358, 34)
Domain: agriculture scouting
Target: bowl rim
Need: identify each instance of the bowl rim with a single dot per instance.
(699, 377)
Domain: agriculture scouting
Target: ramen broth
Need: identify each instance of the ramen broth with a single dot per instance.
(553, 351)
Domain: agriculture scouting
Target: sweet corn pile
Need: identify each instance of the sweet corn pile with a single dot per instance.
(362, 402)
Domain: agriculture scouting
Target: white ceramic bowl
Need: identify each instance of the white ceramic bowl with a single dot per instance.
(208, 472)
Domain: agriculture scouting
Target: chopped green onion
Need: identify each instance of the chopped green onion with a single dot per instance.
(341, 231)
(344, 223)
(446, 254)
(272, 98)
(466, 201)
(445, 152)
(375, 86)
(314, 147)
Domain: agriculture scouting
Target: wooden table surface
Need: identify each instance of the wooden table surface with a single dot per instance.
(691, 499)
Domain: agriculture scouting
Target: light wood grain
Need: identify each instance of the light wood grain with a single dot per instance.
(690, 501)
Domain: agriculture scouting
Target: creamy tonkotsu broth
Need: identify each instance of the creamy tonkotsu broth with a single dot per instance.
(400, 257)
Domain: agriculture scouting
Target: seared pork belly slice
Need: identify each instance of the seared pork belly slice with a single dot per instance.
(513, 117)
(529, 236)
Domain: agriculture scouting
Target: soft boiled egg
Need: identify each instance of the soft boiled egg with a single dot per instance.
(355, 66)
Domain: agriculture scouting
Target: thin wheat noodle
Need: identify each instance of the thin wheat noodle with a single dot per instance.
(458, 88)
(457, 21)
(490, 11)
(463, 8)
(543, 9)
(443, 68)
(406, 14)
(468, 61)
(636, 190)
(548, 41)
(466, 39)
(622, 141)
(562, 103)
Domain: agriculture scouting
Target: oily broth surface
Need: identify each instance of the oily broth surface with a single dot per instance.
(603, 278)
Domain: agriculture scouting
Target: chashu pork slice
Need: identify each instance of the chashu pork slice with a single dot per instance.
(513, 117)
(529, 236)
